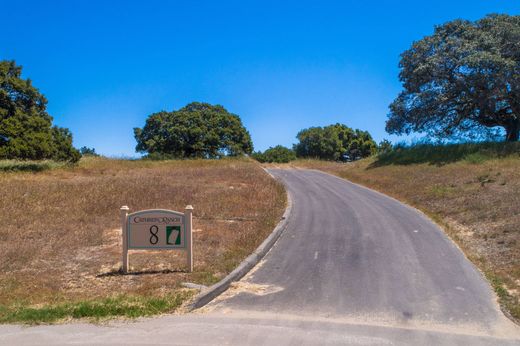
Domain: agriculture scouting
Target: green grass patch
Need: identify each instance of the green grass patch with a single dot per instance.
(476, 158)
(447, 153)
(509, 302)
(205, 278)
(29, 166)
(119, 306)
(440, 191)
(232, 257)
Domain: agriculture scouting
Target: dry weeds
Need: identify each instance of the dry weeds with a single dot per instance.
(60, 237)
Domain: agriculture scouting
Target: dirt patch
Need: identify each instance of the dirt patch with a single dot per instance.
(251, 288)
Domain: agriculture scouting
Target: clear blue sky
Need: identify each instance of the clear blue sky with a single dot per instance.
(282, 66)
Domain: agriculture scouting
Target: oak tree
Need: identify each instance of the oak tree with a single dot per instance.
(26, 130)
(198, 130)
(277, 154)
(463, 78)
(336, 142)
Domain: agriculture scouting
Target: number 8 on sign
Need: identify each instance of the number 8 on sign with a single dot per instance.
(173, 235)
(154, 239)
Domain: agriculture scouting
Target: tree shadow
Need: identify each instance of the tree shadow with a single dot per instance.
(440, 155)
(120, 272)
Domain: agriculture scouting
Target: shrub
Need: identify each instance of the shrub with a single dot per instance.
(334, 142)
(384, 146)
(86, 151)
(28, 166)
(278, 154)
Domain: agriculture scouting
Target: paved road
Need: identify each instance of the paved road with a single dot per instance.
(350, 251)
(353, 267)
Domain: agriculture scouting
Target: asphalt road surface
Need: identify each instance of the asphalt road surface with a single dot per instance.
(353, 267)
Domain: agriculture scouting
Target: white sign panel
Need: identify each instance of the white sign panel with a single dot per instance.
(156, 229)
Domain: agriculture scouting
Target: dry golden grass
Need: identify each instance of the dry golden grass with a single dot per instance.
(477, 203)
(60, 237)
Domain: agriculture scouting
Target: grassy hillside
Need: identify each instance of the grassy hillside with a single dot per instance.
(472, 190)
(60, 248)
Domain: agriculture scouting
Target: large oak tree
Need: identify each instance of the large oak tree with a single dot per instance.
(463, 78)
(198, 130)
(26, 130)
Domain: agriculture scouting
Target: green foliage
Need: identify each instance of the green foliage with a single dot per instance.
(507, 300)
(278, 154)
(63, 149)
(462, 80)
(334, 142)
(128, 306)
(26, 130)
(384, 146)
(86, 151)
(28, 166)
(159, 157)
(476, 158)
(447, 153)
(199, 130)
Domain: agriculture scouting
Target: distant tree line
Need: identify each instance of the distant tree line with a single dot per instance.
(202, 130)
(463, 81)
(336, 142)
(278, 154)
(198, 130)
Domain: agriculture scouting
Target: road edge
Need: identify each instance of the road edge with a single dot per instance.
(442, 227)
(247, 264)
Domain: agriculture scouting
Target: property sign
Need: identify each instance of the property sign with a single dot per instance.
(157, 229)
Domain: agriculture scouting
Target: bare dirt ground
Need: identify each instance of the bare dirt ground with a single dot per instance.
(60, 239)
(477, 204)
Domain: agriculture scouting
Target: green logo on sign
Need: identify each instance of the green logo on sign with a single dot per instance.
(173, 235)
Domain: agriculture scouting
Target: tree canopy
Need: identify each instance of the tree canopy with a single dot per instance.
(384, 146)
(334, 142)
(278, 154)
(198, 130)
(86, 151)
(26, 130)
(464, 78)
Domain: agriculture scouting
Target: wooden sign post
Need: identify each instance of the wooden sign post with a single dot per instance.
(157, 229)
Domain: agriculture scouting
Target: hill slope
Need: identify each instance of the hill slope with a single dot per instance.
(60, 240)
(475, 197)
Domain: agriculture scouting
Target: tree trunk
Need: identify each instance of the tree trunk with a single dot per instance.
(512, 130)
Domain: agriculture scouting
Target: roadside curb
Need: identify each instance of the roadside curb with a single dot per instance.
(246, 265)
